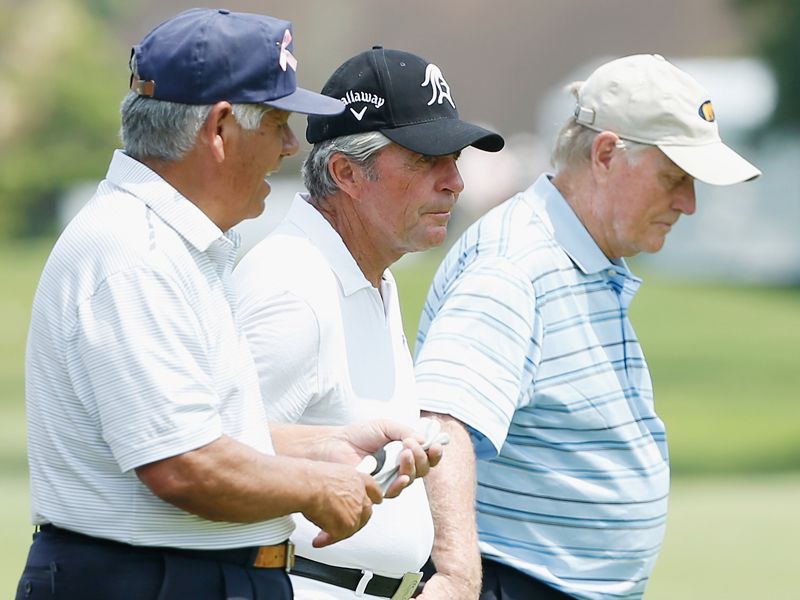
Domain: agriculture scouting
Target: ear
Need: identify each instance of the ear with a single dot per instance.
(216, 128)
(348, 176)
(604, 150)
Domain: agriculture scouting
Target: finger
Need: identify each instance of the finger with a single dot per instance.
(373, 490)
(399, 483)
(435, 454)
(323, 539)
(420, 458)
(396, 431)
(407, 464)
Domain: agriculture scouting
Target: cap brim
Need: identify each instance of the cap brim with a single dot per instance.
(308, 103)
(444, 136)
(712, 163)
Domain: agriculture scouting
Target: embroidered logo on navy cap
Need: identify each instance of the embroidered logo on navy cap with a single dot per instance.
(286, 58)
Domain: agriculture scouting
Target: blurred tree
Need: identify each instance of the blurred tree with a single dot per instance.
(776, 24)
(61, 78)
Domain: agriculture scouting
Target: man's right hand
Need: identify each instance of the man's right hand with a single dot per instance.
(342, 503)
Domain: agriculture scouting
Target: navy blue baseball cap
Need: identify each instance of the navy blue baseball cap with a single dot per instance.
(204, 56)
(403, 96)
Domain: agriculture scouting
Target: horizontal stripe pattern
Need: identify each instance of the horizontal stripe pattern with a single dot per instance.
(133, 356)
(525, 337)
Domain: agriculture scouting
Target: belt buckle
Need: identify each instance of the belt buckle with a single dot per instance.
(408, 585)
(289, 556)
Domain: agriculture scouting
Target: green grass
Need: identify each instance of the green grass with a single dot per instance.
(20, 265)
(725, 363)
(730, 538)
(726, 372)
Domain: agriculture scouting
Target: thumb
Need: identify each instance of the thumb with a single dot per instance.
(323, 539)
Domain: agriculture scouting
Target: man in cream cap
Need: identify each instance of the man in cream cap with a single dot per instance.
(526, 353)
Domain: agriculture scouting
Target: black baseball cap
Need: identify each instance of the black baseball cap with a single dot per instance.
(204, 56)
(404, 97)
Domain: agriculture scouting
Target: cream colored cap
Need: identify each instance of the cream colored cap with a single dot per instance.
(646, 99)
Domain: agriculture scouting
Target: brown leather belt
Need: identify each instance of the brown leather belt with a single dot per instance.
(279, 556)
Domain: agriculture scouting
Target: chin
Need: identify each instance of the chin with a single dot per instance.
(258, 208)
(436, 238)
(655, 246)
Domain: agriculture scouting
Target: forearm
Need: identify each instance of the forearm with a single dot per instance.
(451, 494)
(303, 441)
(229, 481)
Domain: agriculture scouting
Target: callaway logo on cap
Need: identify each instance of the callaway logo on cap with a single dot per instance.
(404, 97)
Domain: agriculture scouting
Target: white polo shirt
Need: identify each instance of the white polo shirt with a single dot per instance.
(134, 355)
(330, 349)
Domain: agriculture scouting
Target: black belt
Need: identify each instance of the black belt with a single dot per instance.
(386, 587)
(263, 557)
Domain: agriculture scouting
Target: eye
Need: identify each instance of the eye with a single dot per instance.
(673, 181)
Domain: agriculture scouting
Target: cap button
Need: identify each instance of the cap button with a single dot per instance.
(223, 11)
(377, 47)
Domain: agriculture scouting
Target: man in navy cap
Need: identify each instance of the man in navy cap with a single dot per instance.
(153, 469)
(382, 179)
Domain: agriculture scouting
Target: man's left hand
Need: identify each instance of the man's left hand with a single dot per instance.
(361, 439)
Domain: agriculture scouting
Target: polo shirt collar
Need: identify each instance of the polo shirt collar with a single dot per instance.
(174, 209)
(316, 227)
(570, 233)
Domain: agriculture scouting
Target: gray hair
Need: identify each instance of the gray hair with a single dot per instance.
(162, 130)
(573, 145)
(361, 148)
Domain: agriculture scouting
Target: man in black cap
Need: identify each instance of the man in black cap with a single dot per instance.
(382, 181)
(153, 468)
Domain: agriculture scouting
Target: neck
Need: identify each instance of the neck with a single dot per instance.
(197, 183)
(579, 190)
(372, 257)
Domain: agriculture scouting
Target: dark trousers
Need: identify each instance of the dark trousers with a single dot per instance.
(501, 582)
(66, 566)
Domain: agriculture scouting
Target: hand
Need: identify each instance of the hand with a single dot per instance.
(444, 587)
(342, 503)
(414, 461)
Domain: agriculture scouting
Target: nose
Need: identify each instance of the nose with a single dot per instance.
(685, 200)
(290, 143)
(451, 180)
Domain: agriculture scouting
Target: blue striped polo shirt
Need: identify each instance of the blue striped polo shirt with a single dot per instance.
(525, 338)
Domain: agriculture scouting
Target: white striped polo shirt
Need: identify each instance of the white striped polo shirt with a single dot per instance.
(134, 355)
(525, 338)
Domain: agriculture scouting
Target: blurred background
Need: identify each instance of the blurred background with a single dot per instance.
(718, 316)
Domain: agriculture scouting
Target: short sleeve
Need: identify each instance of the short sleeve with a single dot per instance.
(149, 378)
(472, 360)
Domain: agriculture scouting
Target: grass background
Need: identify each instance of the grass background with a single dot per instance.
(725, 362)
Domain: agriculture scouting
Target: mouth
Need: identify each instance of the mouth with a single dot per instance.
(443, 216)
